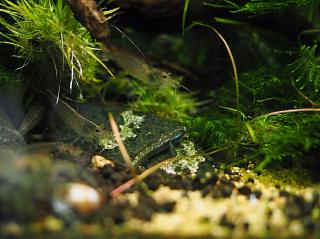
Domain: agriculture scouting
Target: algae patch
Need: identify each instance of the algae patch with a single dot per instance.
(189, 159)
(131, 122)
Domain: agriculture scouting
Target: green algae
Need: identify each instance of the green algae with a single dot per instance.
(188, 159)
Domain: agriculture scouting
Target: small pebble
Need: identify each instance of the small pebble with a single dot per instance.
(244, 190)
(153, 182)
(224, 180)
(235, 178)
(224, 221)
(212, 180)
(107, 171)
(257, 193)
(235, 173)
(246, 226)
(118, 219)
(228, 171)
(206, 190)
(309, 224)
(98, 162)
(284, 193)
(250, 180)
(227, 191)
(167, 206)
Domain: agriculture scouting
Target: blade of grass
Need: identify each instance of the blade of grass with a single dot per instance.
(251, 132)
(184, 15)
(233, 62)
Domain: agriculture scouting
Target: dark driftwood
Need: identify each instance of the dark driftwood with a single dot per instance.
(88, 14)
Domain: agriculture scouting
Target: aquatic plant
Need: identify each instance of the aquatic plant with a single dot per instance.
(276, 138)
(46, 34)
(288, 138)
(305, 71)
(281, 140)
(244, 133)
(259, 6)
(213, 133)
(164, 97)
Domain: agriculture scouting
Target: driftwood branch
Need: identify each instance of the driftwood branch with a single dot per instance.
(91, 17)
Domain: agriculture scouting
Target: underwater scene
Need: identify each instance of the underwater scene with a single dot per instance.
(159, 119)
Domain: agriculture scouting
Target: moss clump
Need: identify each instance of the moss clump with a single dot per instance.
(46, 35)
(260, 6)
(305, 71)
(163, 97)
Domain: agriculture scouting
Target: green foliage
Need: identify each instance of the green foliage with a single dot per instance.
(305, 71)
(45, 33)
(262, 6)
(213, 133)
(261, 91)
(259, 6)
(289, 137)
(275, 140)
(163, 97)
(267, 89)
(263, 84)
(231, 57)
(184, 15)
(264, 90)
(281, 139)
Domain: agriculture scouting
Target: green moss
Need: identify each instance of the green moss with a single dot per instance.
(162, 95)
(260, 6)
(46, 35)
(294, 177)
(71, 52)
(219, 132)
(289, 139)
(305, 71)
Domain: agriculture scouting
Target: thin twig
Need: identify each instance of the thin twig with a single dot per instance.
(217, 150)
(303, 95)
(123, 150)
(291, 111)
(117, 191)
